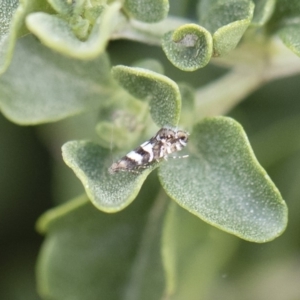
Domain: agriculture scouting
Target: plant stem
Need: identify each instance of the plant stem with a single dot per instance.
(148, 33)
(249, 72)
(149, 250)
(220, 96)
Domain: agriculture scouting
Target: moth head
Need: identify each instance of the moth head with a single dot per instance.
(169, 135)
(166, 134)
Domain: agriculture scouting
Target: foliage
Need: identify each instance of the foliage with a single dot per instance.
(65, 66)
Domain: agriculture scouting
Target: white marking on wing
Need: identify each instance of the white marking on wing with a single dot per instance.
(135, 156)
(144, 144)
(148, 147)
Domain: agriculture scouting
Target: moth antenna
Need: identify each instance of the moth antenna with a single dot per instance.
(111, 142)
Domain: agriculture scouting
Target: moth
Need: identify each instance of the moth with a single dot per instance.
(166, 141)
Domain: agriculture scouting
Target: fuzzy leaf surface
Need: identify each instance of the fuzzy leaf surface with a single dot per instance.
(189, 47)
(223, 184)
(227, 21)
(41, 86)
(57, 34)
(163, 93)
(291, 38)
(97, 253)
(67, 8)
(286, 23)
(263, 11)
(286, 12)
(12, 17)
(7, 36)
(108, 192)
(149, 11)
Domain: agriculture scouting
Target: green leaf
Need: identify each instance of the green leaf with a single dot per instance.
(147, 271)
(12, 16)
(56, 33)
(194, 254)
(68, 8)
(163, 93)
(286, 12)
(92, 255)
(149, 11)
(214, 14)
(108, 192)
(227, 20)
(7, 34)
(291, 38)
(263, 11)
(223, 184)
(189, 47)
(41, 86)
(286, 22)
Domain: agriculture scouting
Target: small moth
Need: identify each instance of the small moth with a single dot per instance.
(165, 142)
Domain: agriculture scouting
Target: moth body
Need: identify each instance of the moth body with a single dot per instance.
(165, 142)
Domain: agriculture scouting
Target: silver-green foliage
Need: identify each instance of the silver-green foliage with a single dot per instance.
(67, 72)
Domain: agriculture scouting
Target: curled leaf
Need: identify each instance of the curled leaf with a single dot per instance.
(163, 93)
(56, 33)
(227, 21)
(189, 47)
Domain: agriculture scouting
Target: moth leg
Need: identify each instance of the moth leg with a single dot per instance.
(134, 172)
(141, 168)
(114, 171)
(179, 157)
